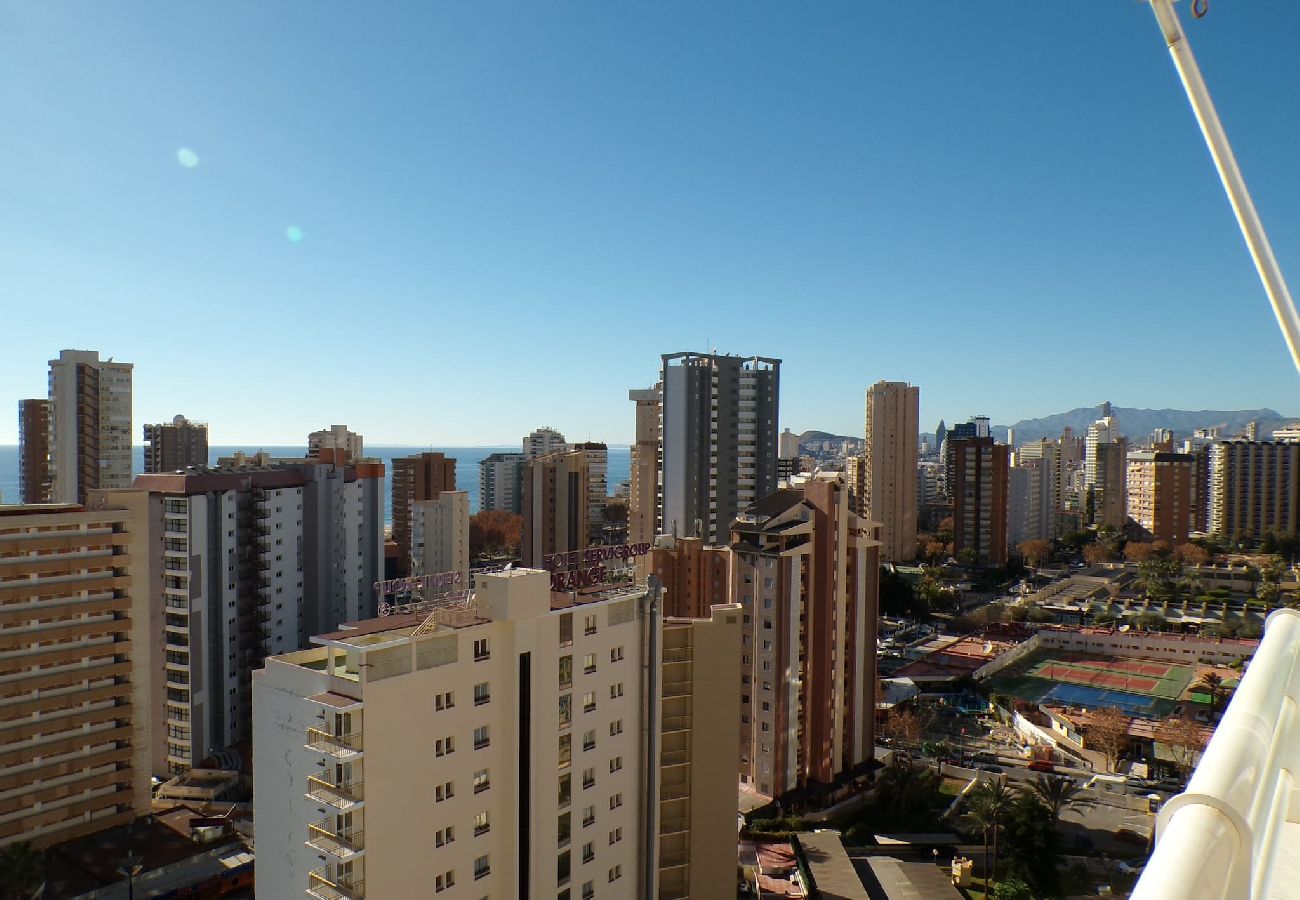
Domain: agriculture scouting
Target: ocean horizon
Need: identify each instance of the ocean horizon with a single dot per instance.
(467, 464)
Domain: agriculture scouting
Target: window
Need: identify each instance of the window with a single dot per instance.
(588, 891)
(444, 792)
(615, 654)
(589, 624)
(566, 672)
(615, 727)
(481, 737)
(445, 836)
(481, 781)
(616, 691)
(566, 750)
(566, 629)
(482, 693)
(589, 663)
(566, 789)
(588, 852)
(588, 778)
(444, 746)
(481, 824)
(615, 836)
(588, 816)
(566, 710)
(615, 764)
(589, 740)
(615, 873)
(481, 867)
(481, 650)
(562, 868)
(589, 701)
(563, 826)
(444, 882)
(615, 801)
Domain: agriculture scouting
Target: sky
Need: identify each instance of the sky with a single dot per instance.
(447, 223)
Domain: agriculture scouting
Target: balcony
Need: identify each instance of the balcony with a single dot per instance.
(339, 796)
(677, 654)
(676, 689)
(673, 724)
(678, 825)
(330, 886)
(672, 859)
(339, 746)
(342, 845)
(674, 791)
(1235, 833)
(675, 758)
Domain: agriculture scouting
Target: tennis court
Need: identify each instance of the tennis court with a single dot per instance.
(1138, 687)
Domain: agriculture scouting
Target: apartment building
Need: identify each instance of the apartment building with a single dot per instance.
(501, 483)
(78, 644)
(555, 505)
(643, 498)
(979, 499)
(336, 437)
(855, 482)
(1110, 490)
(1254, 487)
(514, 745)
(805, 571)
(597, 456)
(90, 424)
(893, 424)
(542, 441)
(440, 534)
(1160, 494)
(420, 477)
(718, 428)
(1026, 510)
(35, 482)
(168, 448)
(694, 575)
(255, 561)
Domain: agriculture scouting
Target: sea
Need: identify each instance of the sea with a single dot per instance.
(467, 461)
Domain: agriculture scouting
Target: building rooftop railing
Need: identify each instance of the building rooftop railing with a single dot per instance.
(1240, 816)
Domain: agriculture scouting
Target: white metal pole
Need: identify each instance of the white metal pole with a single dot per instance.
(1251, 227)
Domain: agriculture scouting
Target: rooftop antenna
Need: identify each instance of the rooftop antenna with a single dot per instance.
(1233, 183)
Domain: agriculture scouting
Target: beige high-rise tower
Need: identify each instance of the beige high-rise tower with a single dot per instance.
(90, 424)
(893, 411)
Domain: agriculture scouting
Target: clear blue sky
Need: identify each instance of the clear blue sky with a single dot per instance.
(507, 211)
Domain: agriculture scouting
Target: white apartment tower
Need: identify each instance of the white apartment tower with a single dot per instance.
(440, 534)
(90, 424)
(336, 437)
(513, 746)
(542, 441)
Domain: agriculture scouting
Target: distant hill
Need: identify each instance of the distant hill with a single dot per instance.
(827, 436)
(1138, 424)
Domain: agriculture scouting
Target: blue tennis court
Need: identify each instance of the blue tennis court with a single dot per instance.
(1096, 698)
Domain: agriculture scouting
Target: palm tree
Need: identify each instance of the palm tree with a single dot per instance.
(21, 871)
(1212, 684)
(989, 802)
(906, 787)
(980, 818)
(1056, 793)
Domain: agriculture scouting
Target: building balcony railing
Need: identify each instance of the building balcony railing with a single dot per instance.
(677, 689)
(675, 758)
(674, 791)
(677, 825)
(675, 723)
(343, 845)
(677, 654)
(340, 746)
(674, 858)
(328, 886)
(1239, 820)
(339, 796)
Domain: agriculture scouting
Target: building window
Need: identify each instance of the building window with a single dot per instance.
(444, 792)
(563, 826)
(562, 868)
(481, 781)
(615, 873)
(481, 737)
(445, 700)
(565, 789)
(588, 852)
(616, 691)
(615, 654)
(589, 740)
(615, 727)
(615, 836)
(588, 891)
(481, 649)
(566, 672)
(566, 750)
(588, 778)
(589, 701)
(589, 663)
(616, 801)
(588, 816)
(589, 624)
(615, 764)
(481, 867)
(566, 629)
(566, 710)
(481, 825)
(444, 746)
(482, 693)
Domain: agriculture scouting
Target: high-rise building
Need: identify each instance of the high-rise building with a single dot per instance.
(440, 534)
(420, 477)
(336, 437)
(169, 448)
(1200, 454)
(940, 435)
(1025, 502)
(507, 746)
(1160, 494)
(1110, 506)
(1254, 487)
(855, 483)
(35, 484)
(893, 420)
(77, 723)
(643, 497)
(90, 424)
(501, 482)
(719, 440)
(542, 441)
(695, 577)
(597, 456)
(979, 499)
(255, 561)
(555, 505)
(806, 573)
(788, 445)
(1103, 431)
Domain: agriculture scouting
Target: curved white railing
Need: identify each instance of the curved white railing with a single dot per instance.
(1219, 840)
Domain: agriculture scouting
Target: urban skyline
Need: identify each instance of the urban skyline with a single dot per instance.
(445, 215)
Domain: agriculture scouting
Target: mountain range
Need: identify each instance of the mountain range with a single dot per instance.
(1137, 424)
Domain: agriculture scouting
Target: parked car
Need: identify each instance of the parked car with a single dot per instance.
(1041, 765)
(989, 767)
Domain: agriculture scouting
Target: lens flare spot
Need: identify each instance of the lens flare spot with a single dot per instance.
(187, 157)
(294, 234)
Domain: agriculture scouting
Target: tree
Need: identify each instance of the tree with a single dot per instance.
(988, 804)
(1191, 554)
(1139, 551)
(907, 792)
(967, 558)
(1033, 845)
(897, 598)
(1211, 683)
(22, 869)
(494, 531)
(1056, 793)
(944, 532)
(1012, 889)
(1097, 553)
(1108, 732)
(1184, 738)
(615, 510)
(902, 725)
(1035, 551)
